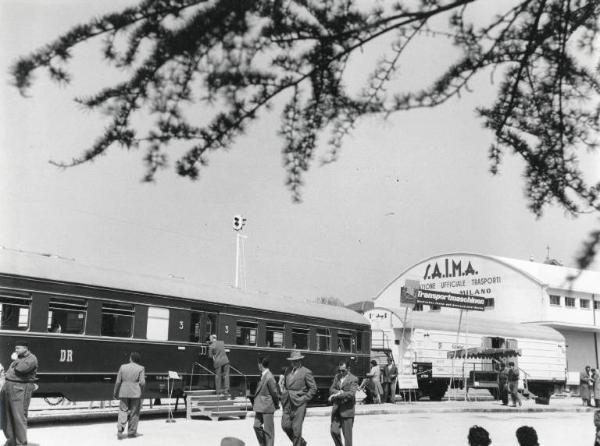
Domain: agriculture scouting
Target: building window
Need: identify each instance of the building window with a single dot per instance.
(596, 305)
(245, 333)
(584, 303)
(490, 302)
(323, 339)
(66, 315)
(434, 308)
(300, 338)
(554, 300)
(570, 302)
(345, 341)
(418, 307)
(275, 335)
(158, 324)
(117, 320)
(14, 312)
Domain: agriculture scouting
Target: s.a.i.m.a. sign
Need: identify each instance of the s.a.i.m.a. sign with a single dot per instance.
(460, 274)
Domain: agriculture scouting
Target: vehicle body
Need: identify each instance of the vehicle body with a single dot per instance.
(82, 322)
(424, 342)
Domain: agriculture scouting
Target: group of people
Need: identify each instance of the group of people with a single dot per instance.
(380, 383)
(294, 390)
(526, 436)
(589, 386)
(508, 384)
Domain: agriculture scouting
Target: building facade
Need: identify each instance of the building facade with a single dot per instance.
(526, 292)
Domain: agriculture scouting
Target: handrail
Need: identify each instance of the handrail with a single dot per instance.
(210, 372)
(194, 364)
(245, 382)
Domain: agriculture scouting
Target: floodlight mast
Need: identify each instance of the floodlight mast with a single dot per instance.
(238, 224)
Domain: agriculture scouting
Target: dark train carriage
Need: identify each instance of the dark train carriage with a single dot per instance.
(82, 322)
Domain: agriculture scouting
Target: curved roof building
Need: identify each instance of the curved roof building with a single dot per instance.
(515, 291)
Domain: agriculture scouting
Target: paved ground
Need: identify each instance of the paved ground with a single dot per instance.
(401, 428)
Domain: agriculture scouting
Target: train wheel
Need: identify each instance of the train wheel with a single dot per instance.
(54, 400)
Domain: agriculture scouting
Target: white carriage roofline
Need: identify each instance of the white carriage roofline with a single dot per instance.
(473, 324)
(38, 267)
(545, 275)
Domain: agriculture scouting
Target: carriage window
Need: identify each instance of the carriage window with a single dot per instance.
(158, 324)
(14, 312)
(359, 336)
(300, 338)
(245, 333)
(345, 341)
(211, 326)
(274, 335)
(117, 320)
(195, 327)
(66, 315)
(323, 339)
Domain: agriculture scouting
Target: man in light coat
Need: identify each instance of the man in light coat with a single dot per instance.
(298, 388)
(585, 386)
(216, 350)
(342, 396)
(130, 383)
(266, 402)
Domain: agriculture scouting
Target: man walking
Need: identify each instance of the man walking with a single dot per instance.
(266, 402)
(342, 396)
(298, 388)
(513, 384)
(16, 393)
(130, 382)
(503, 384)
(388, 379)
(216, 351)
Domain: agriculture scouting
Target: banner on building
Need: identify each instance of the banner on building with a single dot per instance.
(451, 300)
(408, 293)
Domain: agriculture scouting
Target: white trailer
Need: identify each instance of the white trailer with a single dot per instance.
(421, 343)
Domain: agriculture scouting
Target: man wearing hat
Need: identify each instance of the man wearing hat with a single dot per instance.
(297, 389)
(19, 385)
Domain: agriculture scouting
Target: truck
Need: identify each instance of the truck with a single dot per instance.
(466, 351)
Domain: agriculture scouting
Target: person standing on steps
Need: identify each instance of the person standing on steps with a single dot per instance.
(216, 350)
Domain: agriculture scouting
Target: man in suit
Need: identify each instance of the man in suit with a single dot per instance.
(216, 351)
(342, 396)
(130, 382)
(388, 379)
(297, 389)
(266, 402)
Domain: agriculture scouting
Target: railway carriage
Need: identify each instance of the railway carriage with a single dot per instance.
(82, 322)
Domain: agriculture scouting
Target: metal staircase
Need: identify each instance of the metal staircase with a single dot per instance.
(207, 403)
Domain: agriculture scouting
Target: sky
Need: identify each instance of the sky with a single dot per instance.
(404, 189)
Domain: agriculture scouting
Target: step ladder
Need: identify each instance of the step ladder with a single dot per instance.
(206, 403)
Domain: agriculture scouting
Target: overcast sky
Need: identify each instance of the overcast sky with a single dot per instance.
(405, 188)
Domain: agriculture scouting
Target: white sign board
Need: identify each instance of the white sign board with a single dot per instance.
(407, 382)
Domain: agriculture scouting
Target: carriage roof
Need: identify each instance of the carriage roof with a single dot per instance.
(61, 270)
